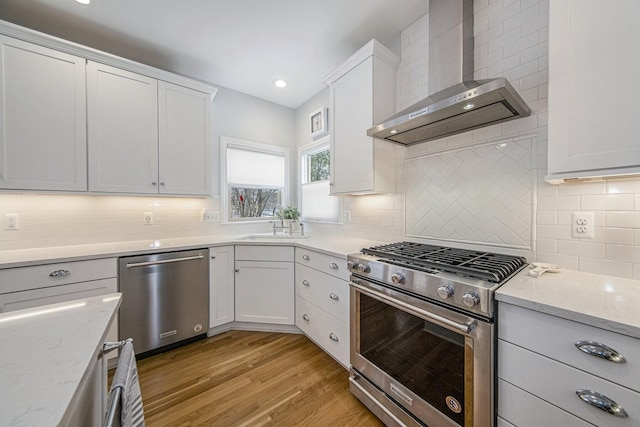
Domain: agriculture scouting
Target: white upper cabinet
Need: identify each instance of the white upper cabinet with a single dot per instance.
(123, 130)
(593, 67)
(42, 118)
(362, 93)
(184, 119)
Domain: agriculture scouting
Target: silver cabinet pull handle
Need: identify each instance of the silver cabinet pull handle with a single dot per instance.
(164, 261)
(306, 283)
(162, 183)
(154, 183)
(213, 257)
(237, 270)
(306, 257)
(602, 402)
(333, 337)
(305, 317)
(600, 350)
(334, 297)
(59, 273)
(333, 266)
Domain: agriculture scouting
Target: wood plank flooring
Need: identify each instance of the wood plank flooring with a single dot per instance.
(242, 378)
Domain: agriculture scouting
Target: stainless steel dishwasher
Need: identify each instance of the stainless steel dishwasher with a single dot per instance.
(165, 298)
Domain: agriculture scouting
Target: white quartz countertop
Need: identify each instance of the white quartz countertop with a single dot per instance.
(45, 355)
(605, 302)
(337, 246)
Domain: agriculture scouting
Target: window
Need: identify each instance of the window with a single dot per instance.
(316, 203)
(254, 179)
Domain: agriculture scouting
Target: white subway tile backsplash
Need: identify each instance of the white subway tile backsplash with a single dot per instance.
(609, 202)
(623, 219)
(606, 267)
(621, 236)
(623, 253)
(567, 203)
(581, 248)
(547, 217)
(580, 188)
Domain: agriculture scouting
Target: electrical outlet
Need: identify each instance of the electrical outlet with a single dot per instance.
(11, 222)
(148, 218)
(346, 216)
(583, 225)
(210, 216)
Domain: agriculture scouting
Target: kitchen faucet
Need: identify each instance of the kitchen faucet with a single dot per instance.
(276, 227)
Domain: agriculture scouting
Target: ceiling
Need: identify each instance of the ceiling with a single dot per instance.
(239, 44)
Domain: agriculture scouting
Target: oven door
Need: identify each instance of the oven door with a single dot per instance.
(435, 363)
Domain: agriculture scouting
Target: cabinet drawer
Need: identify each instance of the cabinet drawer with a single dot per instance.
(264, 253)
(52, 295)
(555, 338)
(557, 384)
(332, 265)
(325, 330)
(519, 408)
(327, 292)
(43, 276)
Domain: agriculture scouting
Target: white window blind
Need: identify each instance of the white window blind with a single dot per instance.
(316, 202)
(247, 168)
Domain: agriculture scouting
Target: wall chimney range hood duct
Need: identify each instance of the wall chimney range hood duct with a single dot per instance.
(464, 104)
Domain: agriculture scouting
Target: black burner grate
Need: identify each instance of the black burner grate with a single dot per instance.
(478, 264)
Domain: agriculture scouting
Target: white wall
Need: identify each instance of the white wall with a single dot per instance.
(72, 219)
(511, 40)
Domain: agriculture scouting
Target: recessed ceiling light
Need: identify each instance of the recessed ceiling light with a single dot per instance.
(393, 131)
(280, 83)
(84, 1)
(469, 106)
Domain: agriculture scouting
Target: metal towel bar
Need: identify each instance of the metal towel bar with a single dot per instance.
(110, 346)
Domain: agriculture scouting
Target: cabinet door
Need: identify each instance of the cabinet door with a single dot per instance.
(221, 285)
(351, 116)
(42, 118)
(184, 119)
(593, 125)
(123, 130)
(265, 292)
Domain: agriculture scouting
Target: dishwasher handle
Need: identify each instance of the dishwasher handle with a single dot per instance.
(164, 261)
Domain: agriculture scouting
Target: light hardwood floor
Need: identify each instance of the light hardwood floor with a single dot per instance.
(241, 378)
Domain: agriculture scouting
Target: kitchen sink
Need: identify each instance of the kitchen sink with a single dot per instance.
(270, 236)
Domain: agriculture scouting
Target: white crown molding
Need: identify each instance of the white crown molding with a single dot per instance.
(46, 40)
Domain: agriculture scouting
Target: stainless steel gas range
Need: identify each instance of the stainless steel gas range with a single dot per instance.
(423, 332)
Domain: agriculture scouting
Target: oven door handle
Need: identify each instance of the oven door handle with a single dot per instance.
(463, 327)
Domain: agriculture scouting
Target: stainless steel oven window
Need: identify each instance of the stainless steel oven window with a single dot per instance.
(434, 369)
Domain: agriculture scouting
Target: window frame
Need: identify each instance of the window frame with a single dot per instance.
(305, 150)
(241, 144)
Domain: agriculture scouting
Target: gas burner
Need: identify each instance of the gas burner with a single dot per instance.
(494, 268)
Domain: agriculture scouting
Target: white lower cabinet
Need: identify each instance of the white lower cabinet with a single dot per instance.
(38, 285)
(541, 370)
(322, 302)
(221, 286)
(264, 285)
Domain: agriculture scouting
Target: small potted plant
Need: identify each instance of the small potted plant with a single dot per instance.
(291, 215)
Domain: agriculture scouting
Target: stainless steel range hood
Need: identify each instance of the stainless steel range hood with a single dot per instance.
(463, 105)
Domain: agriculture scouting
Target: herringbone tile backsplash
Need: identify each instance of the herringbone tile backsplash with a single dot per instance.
(474, 195)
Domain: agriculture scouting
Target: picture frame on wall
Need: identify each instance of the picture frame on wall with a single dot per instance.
(318, 124)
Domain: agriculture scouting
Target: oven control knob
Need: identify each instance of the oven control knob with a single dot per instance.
(470, 299)
(445, 291)
(352, 265)
(363, 268)
(397, 277)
